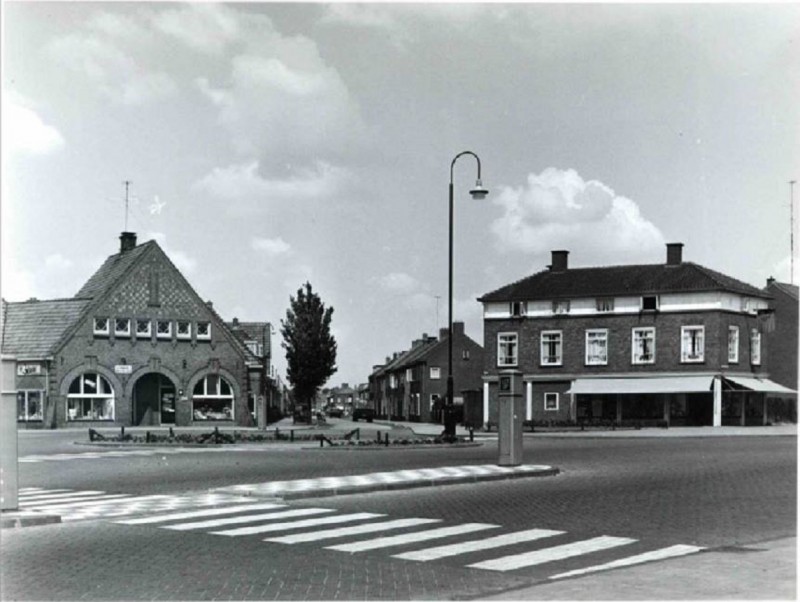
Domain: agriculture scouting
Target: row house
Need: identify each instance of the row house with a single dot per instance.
(412, 385)
(674, 342)
(136, 346)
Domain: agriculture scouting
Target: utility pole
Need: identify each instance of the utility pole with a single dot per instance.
(791, 233)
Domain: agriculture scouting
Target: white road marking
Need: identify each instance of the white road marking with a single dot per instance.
(478, 544)
(358, 530)
(198, 513)
(537, 557)
(50, 497)
(250, 518)
(664, 553)
(299, 524)
(398, 540)
(91, 501)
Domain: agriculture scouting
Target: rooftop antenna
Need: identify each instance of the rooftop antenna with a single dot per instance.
(127, 185)
(791, 239)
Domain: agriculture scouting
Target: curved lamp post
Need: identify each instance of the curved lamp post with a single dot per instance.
(478, 192)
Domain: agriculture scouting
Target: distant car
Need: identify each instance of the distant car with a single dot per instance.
(335, 412)
(367, 414)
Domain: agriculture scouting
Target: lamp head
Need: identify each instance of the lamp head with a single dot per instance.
(478, 192)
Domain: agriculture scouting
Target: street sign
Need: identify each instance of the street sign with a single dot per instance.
(123, 369)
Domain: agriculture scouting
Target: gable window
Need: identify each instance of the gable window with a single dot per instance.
(436, 373)
(560, 307)
(184, 329)
(643, 346)
(733, 344)
(605, 304)
(212, 399)
(650, 303)
(551, 348)
(692, 344)
(164, 329)
(143, 328)
(29, 405)
(90, 397)
(507, 349)
(597, 347)
(101, 326)
(203, 330)
(755, 347)
(550, 402)
(518, 309)
(122, 327)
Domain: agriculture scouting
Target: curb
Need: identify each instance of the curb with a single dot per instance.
(17, 520)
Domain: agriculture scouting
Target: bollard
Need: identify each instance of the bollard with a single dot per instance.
(122, 433)
(171, 434)
(321, 441)
(277, 433)
(471, 435)
(387, 439)
(291, 435)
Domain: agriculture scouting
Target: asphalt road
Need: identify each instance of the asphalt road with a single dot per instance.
(725, 493)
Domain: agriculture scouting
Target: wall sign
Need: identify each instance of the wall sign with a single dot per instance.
(123, 369)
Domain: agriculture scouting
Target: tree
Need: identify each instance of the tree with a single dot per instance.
(310, 346)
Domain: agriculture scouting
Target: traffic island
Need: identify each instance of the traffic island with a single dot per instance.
(15, 519)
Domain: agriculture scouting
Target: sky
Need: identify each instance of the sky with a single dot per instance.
(271, 144)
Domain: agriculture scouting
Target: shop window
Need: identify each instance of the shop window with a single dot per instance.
(212, 399)
(164, 329)
(643, 346)
(101, 327)
(29, 405)
(597, 347)
(90, 397)
(692, 344)
(143, 328)
(507, 349)
(551, 402)
(184, 329)
(122, 327)
(551, 346)
(203, 330)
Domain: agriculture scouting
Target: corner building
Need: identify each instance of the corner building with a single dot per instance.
(674, 343)
(136, 346)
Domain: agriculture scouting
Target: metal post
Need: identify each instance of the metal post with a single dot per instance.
(9, 452)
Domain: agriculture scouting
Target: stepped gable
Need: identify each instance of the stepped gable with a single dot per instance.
(618, 281)
(32, 329)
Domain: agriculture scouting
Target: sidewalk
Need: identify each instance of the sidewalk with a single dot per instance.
(764, 571)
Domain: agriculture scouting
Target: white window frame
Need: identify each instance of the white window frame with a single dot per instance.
(164, 335)
(26, 417)
(103, 332)
(148, 333)
(120, 332)
(551, 395)
(603, 335)
(216, 396)
(755, 347)
(560, 307)
(207, 335)
(604, 304)
(518, 309)
(634, 355)
(544, 359)
(409, 375)
(641, 302)
(504, 339)
(733, 344)
(392, 381)
(184, 336)
(700, 344)
(84, 394)
(435, 373)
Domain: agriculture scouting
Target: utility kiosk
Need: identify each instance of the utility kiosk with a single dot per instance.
(509, 421)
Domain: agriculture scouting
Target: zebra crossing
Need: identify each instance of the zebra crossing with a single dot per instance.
(483, 546)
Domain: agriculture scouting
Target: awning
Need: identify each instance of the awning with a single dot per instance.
(762, 385)
(665, 384)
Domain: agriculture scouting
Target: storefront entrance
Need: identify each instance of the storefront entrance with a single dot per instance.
(153, 400)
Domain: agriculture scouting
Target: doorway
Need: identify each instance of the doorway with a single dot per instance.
(153, 400)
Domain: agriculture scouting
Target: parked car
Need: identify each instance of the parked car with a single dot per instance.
(335, 412)
(367, 414)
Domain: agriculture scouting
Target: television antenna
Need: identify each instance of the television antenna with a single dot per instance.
(791, 235)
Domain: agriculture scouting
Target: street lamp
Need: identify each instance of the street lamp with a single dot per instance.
(478, 192)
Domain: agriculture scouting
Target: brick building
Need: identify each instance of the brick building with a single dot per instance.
(135, 346)
(412, 385)
(673, 342)
(782, 341)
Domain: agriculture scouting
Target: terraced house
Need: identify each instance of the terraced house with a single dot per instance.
(674, 343)
(135, 346)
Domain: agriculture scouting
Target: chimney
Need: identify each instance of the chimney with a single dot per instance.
(235, 324)
(674, 253)
(770, 281)
(127, 241)
(560, 261)
(443, 332)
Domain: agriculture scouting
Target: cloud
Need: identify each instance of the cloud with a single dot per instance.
(558, 209)
(182, 261)
(399, 282)
(25, 132)
(204, 27)
(243, 182)
(57, 262)
(272, 247)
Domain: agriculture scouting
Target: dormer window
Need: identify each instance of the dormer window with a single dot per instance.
(605, 304)
(560, 307)
(122, 327)
(650, 303)
(101, 327)
(748, 305)
(518, 309)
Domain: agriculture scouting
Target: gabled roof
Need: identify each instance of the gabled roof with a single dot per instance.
(791, 290)
(618, 281)
(32, 329)
(251, 331)
(112, 270)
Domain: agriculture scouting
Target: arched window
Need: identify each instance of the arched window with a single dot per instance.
(90, 397)
(212, 399)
